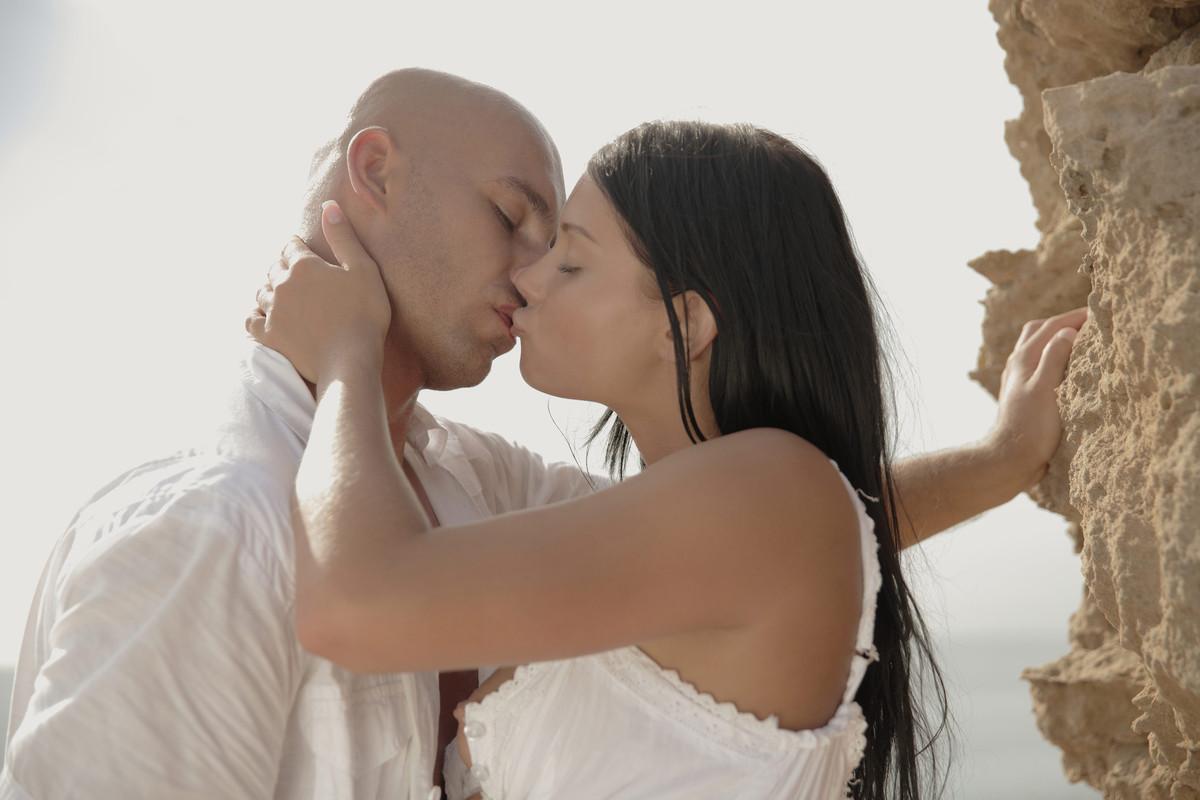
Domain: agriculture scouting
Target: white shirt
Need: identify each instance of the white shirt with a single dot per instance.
(159, 659)
(617, 724)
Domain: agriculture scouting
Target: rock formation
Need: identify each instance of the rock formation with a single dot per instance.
(1109, 141)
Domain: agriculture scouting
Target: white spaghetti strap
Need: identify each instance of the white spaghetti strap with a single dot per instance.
(864, 494)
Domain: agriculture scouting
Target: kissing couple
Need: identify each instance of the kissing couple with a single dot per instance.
(339, 595)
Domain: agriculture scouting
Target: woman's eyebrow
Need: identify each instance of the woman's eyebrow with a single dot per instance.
(571, 226)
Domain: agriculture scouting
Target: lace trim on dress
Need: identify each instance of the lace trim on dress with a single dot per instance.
(520, 679)
(723, 721)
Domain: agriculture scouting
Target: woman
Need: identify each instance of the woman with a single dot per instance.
(708, 627)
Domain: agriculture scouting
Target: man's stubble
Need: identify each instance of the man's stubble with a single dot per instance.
(432, 295)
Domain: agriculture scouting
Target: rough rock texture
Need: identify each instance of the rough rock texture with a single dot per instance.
(1109, 141)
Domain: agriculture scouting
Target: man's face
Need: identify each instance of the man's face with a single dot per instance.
(483, 203)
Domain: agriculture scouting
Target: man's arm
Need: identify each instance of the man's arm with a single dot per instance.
(168, 663)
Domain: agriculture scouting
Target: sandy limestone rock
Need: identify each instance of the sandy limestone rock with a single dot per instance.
(1109, 141)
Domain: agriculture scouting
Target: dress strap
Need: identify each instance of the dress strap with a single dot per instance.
(865, 651)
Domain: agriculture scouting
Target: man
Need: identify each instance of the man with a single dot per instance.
(160, 659)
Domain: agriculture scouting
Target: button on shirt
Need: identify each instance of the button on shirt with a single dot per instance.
(160, 660)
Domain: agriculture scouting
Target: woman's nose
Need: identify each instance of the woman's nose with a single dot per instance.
(530, 278)
(524, 283)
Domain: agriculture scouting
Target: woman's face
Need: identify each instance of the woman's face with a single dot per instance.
(594, 323)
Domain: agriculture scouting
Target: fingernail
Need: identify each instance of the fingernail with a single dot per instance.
(333, 210)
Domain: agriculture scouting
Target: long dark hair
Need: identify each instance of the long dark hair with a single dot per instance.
(750, 222)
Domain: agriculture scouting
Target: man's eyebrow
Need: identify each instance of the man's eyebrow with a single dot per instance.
(536, 201)
(571, 226)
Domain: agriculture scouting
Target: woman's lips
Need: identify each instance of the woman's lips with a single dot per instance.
(516, 329)
(506, 313)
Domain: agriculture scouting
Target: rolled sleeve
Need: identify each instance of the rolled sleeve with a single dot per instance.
(168, 660)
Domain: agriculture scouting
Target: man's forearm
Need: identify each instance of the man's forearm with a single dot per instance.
(937, 491)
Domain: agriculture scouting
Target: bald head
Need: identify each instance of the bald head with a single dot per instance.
(425, 110)
(451, 186)
(429, 101)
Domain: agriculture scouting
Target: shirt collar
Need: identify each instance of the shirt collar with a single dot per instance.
(436, 443)
(273, 380)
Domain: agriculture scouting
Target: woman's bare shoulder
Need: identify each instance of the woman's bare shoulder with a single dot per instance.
(774, 485)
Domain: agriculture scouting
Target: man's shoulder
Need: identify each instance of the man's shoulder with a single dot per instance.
(196, 496)
(190, 477)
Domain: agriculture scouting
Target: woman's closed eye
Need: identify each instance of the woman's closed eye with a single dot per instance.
(567, 269)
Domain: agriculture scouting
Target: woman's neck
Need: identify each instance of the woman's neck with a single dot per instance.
(658, 432)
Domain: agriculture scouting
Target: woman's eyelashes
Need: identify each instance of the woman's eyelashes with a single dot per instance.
(567, 269)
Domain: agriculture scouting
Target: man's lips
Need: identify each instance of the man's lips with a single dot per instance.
(505, 313)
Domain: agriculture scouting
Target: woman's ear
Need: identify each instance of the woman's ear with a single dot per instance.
(697, 323)
(372, 160)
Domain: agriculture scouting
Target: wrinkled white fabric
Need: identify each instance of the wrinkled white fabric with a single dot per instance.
(159, 660)
(617, 725)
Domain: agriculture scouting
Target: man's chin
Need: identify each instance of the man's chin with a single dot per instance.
(468, 371)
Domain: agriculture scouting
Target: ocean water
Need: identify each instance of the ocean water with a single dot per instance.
(1000, 754)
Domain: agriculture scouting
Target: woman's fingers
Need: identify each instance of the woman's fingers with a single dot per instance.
(1055, 354)
(1038, 327)
(264, 297)
(256, 326)
(1050, 327)
(339, 233)
(294, 251)
(277, 272)
(1038, 333)
(347, 249)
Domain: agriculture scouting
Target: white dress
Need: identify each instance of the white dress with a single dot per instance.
(618, 725)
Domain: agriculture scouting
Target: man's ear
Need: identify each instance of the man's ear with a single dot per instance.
(697, 324)
(371, 159)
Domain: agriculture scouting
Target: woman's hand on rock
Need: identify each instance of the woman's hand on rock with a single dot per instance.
(1028, 425)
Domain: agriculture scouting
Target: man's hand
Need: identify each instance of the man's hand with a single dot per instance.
(1028, 425)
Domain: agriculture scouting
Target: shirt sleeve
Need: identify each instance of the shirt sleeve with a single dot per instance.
(167, 658)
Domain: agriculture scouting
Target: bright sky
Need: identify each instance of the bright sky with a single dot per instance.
(152, 157)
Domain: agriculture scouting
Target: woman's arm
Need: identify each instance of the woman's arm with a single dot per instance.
(937, 491)
(943, 489)
(707, 538)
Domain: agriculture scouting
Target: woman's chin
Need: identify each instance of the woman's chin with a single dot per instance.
(536, 379)
(529, 373)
